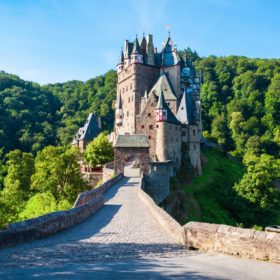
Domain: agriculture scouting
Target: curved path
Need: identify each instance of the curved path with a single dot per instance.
(122, 241)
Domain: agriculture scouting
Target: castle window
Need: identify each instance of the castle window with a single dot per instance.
(194, 147)
(127, 113)
(132, 98)
(142, 126)
(128, 99)
(130, 86)
(151, 127)
(149, 114)
(157, 125)
(194, 132)
(123, 90)
(126, 88)
(150, 137)
(184, 133)
(182, 108)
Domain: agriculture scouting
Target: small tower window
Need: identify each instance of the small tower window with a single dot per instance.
(142, 126)
(126, 88)
(127, 113)
(149, 114)
(150, 137)
(151, 126)
(130, 86)
(194, 132)
(157, 125)
(128, 99)
(194, 147)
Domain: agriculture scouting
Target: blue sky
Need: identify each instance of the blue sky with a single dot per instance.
(59, 40)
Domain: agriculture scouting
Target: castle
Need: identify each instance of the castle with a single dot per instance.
(158, 102)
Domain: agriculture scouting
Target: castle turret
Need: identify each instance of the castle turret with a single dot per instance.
(161, 117)
(136, 55)
(161, 109)
(119, 112)
(121, 63)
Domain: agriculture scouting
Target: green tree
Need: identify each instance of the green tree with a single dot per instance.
(57, 171)
(256, 186)
(99, 151)
(20, 167)
(37, 205)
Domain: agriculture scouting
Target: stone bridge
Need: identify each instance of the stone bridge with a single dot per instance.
(123, 240)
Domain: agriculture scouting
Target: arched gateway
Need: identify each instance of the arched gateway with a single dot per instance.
(134, 146)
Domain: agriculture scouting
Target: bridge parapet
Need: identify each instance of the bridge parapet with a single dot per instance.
(261, 245)
(86, 204)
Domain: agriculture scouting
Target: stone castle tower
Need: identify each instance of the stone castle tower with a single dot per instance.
(158, 95)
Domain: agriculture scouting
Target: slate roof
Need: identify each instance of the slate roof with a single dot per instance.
(136, 47)
(186, 111)
(132, 141)
(163, 84)
(170, 56)
(89, 131)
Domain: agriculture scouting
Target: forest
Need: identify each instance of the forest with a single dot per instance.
(241, 113)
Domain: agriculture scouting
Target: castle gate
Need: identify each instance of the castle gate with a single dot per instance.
(133, 150)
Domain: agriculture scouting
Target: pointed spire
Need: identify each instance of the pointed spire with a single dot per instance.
(136, 47)
(143, 43)
(161, 101)
(121, 60)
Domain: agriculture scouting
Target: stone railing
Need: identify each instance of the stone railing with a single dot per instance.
(172, 226)
(88, 195)
(108, 171)
(249, 243)
(261, 245)
(86, 204)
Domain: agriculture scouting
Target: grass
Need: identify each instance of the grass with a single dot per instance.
(206, 195)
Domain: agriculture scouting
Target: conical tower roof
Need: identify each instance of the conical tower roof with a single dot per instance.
(161, 101)
(136, 47)
(121, 59)
(162, 105)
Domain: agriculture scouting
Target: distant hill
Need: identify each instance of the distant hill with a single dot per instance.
(34, 116)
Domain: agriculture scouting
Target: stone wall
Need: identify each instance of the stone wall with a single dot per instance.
(157, 180)
(146, 124)
(86, 204)
(241, 242)
(93, 177)
(122, 154)
(108, 171)
(132, 83)
(48, 224)
(172, 226)
(84, 197)
(248, 243)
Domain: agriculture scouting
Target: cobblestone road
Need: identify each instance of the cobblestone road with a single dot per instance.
(119, 240)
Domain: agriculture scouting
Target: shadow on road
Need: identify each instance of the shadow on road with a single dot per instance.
(101, 261)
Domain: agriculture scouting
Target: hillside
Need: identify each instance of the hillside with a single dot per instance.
(211, 197)
(240, 111)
